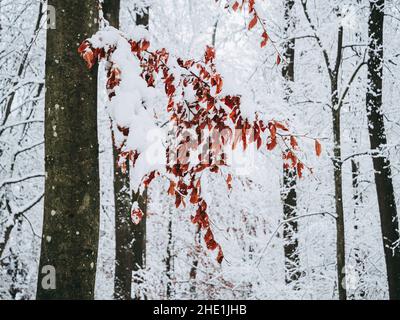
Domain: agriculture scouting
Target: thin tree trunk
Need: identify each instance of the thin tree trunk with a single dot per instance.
(340, 231)
(289, 195)
(169, 258)
(381, 163)
(122, 200)
(139, 231)
(336, 104)
(357, 198)
(195, 263)
(337, 169)
(71, 205)
(130, 238)
(124, 241)
(111, 9)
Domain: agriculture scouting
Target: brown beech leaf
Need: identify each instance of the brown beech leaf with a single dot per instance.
(318, 148)
(278, 59)
(300, 168)
(293, 142)
(220, 256)
(265, 39)
(253, 22)
(229, 181)
(272, 144)
(171, 190)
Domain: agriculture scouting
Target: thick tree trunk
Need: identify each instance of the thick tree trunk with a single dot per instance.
(289, 195)
(381, 163)
(71, 207)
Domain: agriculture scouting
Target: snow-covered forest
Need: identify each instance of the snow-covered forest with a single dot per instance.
(105, 108)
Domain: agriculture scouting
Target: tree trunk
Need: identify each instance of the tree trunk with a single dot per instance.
(169, 261)
(122, 200)
(68, 258)
(130, 239)
(289, 195)
(337, 168)
(381, 163)
(195, 263)
(333, 72)
(139, 231)
(111, 10)
(340, 232)
(124, 255)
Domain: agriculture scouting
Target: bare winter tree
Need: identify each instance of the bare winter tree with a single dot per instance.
(7, 124)
(337, 99)
(71, 211)
(378, 140)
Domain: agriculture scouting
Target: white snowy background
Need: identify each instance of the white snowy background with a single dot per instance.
(246, 220)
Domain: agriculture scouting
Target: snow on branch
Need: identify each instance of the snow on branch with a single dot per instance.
(20, 179)
(206, 124)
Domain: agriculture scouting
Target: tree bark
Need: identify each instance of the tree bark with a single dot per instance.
(71, 205)
(169, 268)
(138, 232)
(340, 230)
(111, 10)
(122, 200)
(337, 167)
(195, 263)
(289, 194)
(336, 104)
(378, 141)
(130, 246)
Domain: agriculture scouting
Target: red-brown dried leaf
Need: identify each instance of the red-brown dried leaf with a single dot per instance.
(171, 189)
(278, 59)
(293, 142)
(318, 148)
(220, 256)
(265, 37)
(209, 55)
(253, 22)
(300, 167)
(229, 181)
